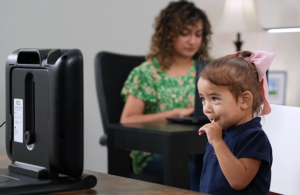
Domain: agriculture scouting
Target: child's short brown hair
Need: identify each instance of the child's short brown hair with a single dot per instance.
(238, 75)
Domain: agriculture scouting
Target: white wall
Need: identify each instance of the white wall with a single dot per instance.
(126, 27)
(282, 128)
(276, 13)
(91, 26)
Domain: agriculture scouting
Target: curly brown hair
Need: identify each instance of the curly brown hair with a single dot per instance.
(168, 26)
(238, 75)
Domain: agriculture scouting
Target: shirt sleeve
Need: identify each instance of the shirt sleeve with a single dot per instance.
(140, 84)
(255, 144)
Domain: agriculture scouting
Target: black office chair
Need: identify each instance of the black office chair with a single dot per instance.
(111, 72)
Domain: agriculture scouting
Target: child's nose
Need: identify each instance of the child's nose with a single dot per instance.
(207, 108)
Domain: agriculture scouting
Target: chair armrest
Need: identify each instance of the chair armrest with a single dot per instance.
(103, 140)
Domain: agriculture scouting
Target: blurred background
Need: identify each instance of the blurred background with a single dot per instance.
(126, 27)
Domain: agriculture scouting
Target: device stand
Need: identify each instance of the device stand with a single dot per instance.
(12, 183)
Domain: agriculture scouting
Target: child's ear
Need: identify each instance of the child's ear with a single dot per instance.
(246, 100)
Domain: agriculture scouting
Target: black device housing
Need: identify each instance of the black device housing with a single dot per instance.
(50, 83)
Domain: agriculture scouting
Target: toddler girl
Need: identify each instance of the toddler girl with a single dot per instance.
(238, 155)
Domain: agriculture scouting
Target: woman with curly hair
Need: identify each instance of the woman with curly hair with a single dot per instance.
(164, 85)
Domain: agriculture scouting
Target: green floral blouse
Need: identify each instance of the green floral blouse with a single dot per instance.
(161, 92)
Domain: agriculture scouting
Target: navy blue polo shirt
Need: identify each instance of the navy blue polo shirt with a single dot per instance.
(247, 140)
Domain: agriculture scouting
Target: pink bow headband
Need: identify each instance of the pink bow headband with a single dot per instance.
(262, 61)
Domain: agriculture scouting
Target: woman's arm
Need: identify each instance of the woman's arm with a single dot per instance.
(134, 109)
(238, 172)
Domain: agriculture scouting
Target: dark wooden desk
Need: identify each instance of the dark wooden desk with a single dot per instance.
(110, 184)
(174, 141)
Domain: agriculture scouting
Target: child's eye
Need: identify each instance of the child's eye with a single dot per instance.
(215, 98)
(202, 99)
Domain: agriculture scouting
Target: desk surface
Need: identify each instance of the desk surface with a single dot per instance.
(163, 128)
(109, 184)
(174, 141)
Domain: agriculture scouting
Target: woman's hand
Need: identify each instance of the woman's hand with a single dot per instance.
(181, 112)
(213, 132)
(134, 109)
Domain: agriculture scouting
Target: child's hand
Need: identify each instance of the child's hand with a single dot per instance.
(213, 132)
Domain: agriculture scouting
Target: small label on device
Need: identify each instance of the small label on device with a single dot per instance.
(18, 120)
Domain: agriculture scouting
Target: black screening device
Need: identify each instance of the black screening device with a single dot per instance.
(44, 112)
(44, 122)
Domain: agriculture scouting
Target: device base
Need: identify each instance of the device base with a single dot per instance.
(13, 183)
(27, 170)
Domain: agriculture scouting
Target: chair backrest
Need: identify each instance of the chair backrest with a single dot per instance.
(111, 72)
